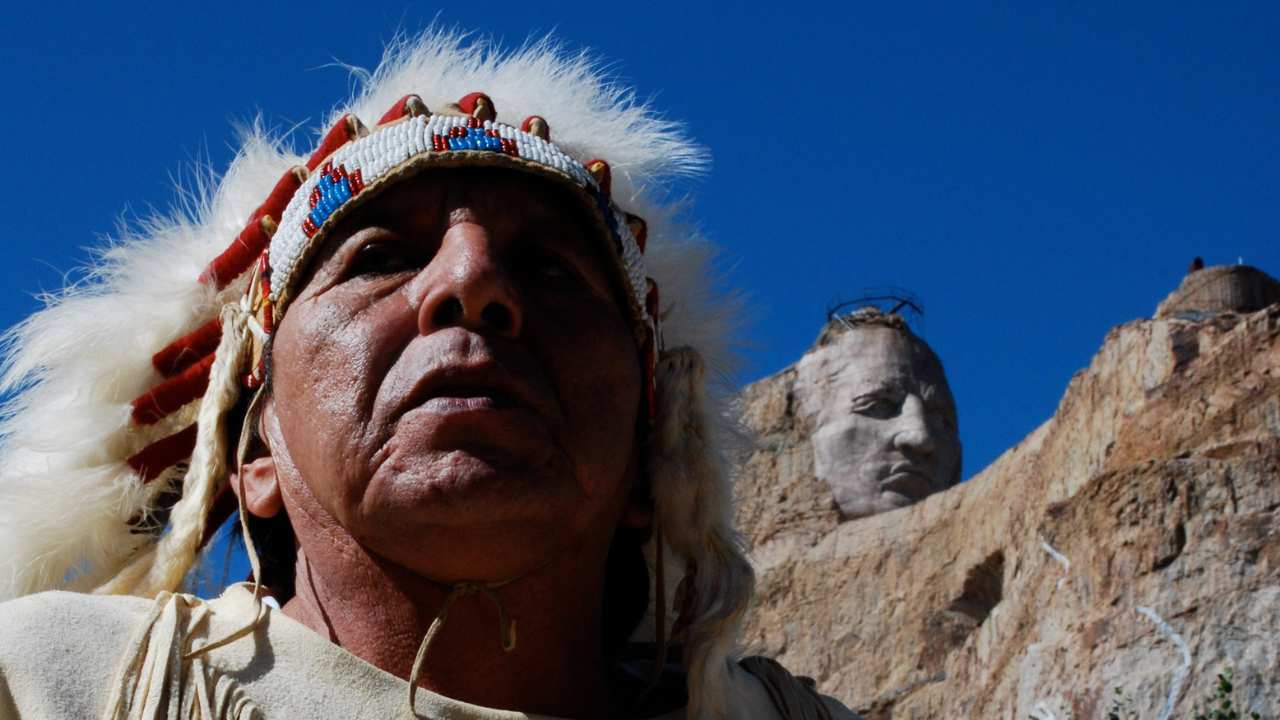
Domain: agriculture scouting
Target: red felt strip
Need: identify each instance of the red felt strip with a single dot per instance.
(281, 194)
(397, 111)
(528, 126)
(253, 239)
(639, 230)
(186, 350)
(237, 258)
(173, 393)
(467, 103)
(164, 453)
(599, 169)
(340, 134)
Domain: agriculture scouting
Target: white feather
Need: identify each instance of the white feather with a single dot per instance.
(66, 495)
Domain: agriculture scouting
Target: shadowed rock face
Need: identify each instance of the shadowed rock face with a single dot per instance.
(884, 429)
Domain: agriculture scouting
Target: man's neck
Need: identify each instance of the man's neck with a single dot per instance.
(380, 613)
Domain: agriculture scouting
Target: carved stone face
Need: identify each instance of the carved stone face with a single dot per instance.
(884, 423)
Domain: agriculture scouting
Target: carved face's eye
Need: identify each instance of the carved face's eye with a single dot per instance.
(880, 404)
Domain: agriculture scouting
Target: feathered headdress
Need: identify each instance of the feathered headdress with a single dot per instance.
(112, 462)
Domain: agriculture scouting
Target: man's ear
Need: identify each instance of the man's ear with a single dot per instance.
(261, 488)
(262, 497)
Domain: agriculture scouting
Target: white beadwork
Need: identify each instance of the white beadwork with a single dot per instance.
(386, 148)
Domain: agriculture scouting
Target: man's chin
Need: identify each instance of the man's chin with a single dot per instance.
(498, 436)
(474, 485)
(480, 523)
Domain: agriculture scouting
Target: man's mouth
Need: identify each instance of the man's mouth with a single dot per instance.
(466, 397)
(485, 386)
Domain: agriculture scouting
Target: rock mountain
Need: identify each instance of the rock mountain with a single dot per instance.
(1132, 541)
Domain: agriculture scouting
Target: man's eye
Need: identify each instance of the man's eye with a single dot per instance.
(377, 258)
(545, 269)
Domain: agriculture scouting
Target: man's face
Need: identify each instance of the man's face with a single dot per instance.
(884, 421)
(456, 377)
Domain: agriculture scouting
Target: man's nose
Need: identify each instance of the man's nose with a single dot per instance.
(467, 285)
(913, 435)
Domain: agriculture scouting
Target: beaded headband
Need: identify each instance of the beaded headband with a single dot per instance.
(352, 165)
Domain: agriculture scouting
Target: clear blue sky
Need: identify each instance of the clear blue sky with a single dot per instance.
(1035, 172)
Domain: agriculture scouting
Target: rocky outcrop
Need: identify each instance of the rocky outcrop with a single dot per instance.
(1132, 541)
(1218, 289)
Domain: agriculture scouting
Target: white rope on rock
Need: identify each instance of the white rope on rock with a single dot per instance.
(1180, 674)
(1041, 712)
(1061, 559)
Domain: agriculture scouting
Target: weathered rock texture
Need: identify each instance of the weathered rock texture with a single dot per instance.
(1016, 594)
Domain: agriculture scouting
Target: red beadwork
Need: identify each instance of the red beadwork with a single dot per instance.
(164, 453)
(253, 380)
(357, 182)
(308, 227)
(438, 143)
(268, 317)
(509, 147)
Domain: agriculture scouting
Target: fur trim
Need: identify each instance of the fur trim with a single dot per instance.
(69, 503)
(694, 504)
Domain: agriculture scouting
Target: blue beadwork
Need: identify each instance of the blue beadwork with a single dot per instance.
(333, 193)
(475, 139)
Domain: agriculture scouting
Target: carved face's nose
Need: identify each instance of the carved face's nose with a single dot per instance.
(913, 436)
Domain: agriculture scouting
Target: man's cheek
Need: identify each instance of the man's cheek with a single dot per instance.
(337, 358)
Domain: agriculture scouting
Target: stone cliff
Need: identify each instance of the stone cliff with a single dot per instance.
(1132, 541)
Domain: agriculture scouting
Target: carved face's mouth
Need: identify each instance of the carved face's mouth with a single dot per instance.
(907, 479)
